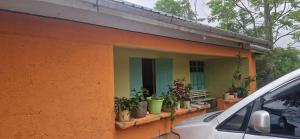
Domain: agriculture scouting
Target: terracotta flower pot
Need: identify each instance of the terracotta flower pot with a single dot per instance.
(141, 110)
(124, 116)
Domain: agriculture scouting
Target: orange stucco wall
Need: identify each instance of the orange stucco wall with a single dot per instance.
(153, 129)
(252, 72)
(56, 76)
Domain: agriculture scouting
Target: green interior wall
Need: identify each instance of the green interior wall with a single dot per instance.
(121, 63)
(219, 72)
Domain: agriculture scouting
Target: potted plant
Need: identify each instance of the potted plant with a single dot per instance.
(231, 93)
(139, 99)
(170, 103)
(242, 90)
(240, 85)
(155, 105)
(124, 107)
(182, 92)
(178, 89)
(186, 97)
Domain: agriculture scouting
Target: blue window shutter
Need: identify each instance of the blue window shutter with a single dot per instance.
(194, 80)
(136, 77)
(202, 85)
(164, 75)
(197, 75)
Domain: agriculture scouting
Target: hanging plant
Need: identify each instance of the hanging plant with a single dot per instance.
(240, 85)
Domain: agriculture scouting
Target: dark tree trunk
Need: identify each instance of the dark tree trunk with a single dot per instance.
(268, 22)
(269, 37)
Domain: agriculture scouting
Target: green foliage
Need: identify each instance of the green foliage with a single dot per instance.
(253, 18)
(180, 89)
(139, 95)
(284, 60)
(170, 102)
(187, 94)
(263, 19)
(243, 90)
(124, 103)
(240, 84)
(181, 8)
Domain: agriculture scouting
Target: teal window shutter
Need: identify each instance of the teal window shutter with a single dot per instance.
(197, 75)
(164, 75)
(136, 77)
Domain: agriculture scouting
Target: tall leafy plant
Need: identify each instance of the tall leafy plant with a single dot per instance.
(170, 102)
(240, 84)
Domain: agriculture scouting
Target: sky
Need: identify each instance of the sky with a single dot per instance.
(202, 8)
(203, 11)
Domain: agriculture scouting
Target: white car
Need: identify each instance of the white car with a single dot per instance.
(271, 112)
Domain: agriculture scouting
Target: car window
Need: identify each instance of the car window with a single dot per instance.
(237, 122)
(283, 106)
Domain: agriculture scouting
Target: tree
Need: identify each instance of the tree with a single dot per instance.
(181, 8)
(268, 19)
(258, 18)
(284, 60)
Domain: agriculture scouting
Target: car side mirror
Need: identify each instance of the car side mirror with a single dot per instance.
(260, 121)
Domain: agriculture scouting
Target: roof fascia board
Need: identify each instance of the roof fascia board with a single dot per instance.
(105, 16)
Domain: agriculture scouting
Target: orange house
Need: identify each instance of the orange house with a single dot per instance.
(64, 61)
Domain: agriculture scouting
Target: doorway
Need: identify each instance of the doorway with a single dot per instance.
(148, 74)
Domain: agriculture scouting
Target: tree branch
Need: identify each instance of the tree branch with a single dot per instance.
(195, 8)
(248, 11)
(284, 12)
(275, 6)
(277, 30)
(287, 34)
(281, 14)
(241, 25)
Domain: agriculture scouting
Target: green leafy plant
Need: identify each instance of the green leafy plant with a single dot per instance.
(187, 93)
(170, 103)
(139, 95)
(180, 90)
(124, 103)
(242, 90)
(138, 98)
(240, 85)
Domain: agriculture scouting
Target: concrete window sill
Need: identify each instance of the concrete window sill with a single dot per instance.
(152, 117)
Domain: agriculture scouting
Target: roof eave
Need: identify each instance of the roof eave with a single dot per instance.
(132, 18)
